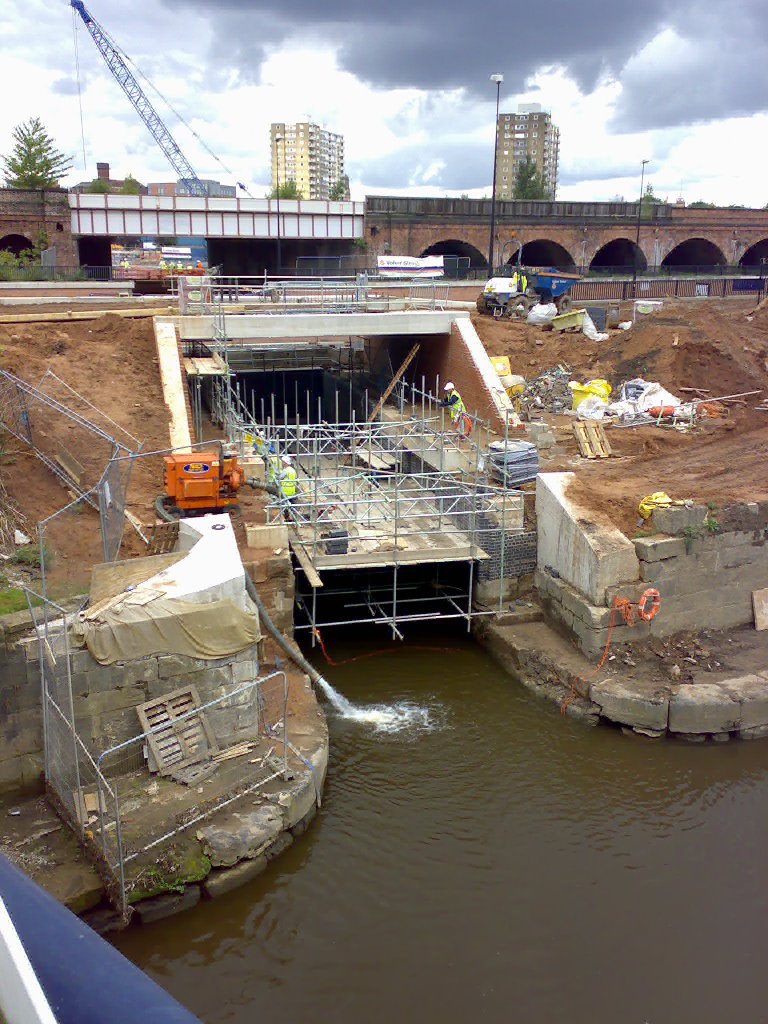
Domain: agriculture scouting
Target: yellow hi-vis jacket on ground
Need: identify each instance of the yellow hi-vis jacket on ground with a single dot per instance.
(288, 482)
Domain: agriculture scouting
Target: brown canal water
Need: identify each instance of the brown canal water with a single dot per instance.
(499, 862)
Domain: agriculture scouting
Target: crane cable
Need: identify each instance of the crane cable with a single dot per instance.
(79, 89)
(112, 42)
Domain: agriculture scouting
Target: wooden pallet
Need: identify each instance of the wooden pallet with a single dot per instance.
(591, 439)
(176, 744)
(162, 538)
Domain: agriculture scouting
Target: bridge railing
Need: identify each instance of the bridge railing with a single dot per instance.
(406, 206)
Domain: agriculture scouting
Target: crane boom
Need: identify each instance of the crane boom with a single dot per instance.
(130, 86)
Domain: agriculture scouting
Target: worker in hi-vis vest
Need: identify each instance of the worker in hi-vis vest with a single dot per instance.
(457, 410)
(519, 282)
(287, 479)
(274, 467)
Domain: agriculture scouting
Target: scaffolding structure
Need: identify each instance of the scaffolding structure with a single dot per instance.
(380, 491)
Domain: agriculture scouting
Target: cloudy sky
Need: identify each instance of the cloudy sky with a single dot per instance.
(682, 84)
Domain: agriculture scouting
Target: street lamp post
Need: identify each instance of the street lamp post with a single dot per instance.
(498, 79)
(278, 140)
(637, 235)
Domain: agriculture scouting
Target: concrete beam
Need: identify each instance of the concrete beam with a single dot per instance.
(302, 326)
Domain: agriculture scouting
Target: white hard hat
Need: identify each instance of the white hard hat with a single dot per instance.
(286, 459)
(449, 386)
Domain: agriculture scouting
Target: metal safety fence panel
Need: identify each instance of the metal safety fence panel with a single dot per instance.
(112, 495)
(253, 712)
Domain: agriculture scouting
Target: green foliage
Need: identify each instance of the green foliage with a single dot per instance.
(13, 599)
(34, 161)
(529, 183)
(340, 190)
(288, 190)
(29, 555)
(130, 187)
(701, 205)
(100, 186)
(361, 244)
(650, 198)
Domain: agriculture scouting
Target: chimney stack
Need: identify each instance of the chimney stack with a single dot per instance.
(102, 171)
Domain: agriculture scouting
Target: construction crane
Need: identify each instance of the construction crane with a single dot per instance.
(130, 86)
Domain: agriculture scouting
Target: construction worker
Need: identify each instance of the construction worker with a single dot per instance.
(456, 408)
(163, 265)
(274, 467)
(522, 282)
(287, 479)
(515, 281)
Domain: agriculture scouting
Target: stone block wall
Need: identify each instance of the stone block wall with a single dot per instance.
(704, 567)
(105, 697)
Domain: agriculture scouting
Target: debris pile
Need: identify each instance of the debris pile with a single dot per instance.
(549, 392)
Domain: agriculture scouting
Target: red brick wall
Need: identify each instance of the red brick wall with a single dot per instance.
(29, 213)
(448, 357)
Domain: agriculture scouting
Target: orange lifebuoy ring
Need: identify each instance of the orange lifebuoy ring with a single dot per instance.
(651, 594)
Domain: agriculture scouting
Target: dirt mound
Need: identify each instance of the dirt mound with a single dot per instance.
(687, 344)
(112, 362)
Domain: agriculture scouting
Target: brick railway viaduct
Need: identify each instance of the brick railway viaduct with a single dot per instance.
(565, 235)
(568, 234)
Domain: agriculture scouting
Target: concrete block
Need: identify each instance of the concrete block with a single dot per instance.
(619, 702)
(703, 708)
(167, 905)
(226, 879)
(590, 555)
(273, 536)
(102, 679)
(83, 661)
(22, 733)
(297, 801)
(677, 518)
(758, 733)
(169, 665)
(241, 836)
(245, 672)
(751, 692)
(655, 549)
(280, 845)
(143, 670)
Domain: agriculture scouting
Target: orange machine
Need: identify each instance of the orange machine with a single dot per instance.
(201, 481)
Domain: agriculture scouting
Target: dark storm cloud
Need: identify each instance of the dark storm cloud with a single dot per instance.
(443, 44)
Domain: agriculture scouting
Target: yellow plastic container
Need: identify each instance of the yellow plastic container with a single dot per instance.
(501, 365)
(599, 387)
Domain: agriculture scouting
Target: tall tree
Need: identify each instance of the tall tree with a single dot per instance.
(130, 187)
(529, 183)
(288, 190)
(34, 161)
(340, 190)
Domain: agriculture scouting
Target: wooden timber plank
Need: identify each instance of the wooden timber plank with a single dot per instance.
(391, 386)
(304, 560)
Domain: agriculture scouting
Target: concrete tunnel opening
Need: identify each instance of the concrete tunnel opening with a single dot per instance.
(386, 533)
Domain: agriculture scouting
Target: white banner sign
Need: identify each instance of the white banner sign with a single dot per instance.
(411, 266)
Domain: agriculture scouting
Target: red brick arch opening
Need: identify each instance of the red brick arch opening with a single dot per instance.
(15, 244)
(755, 254)
(455, 247)
(543, 252)
(619, 253)
(695, 252)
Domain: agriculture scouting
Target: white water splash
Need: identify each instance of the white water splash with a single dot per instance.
(383, 717)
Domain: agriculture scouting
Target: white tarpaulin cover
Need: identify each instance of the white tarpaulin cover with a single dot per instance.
(411, 266)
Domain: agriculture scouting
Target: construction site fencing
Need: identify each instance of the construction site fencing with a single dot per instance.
(72, 777)
(248, 712)
(68, 434)
(692, 287)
